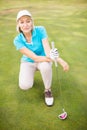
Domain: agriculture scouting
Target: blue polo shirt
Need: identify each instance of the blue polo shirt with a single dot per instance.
(38, 34)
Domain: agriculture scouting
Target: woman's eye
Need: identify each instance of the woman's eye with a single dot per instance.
(28, 21)
(21, 22)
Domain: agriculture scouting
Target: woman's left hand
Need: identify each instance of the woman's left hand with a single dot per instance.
(65, 66)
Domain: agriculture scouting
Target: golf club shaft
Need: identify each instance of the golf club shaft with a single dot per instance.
(53, 46)
(56, 66)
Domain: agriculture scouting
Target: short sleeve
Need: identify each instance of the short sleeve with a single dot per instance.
(18, 43)
(43, 32)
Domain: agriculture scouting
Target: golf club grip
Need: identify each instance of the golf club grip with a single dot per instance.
(53, 46)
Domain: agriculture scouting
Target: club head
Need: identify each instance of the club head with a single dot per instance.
(63, 116)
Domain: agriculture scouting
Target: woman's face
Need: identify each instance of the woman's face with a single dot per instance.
(25, 24)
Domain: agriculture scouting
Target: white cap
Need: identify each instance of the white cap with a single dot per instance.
(23, 13)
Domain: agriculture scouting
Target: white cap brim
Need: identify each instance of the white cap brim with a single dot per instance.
(23, 13)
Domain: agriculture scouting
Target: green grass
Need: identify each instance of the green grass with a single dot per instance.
(66, 24)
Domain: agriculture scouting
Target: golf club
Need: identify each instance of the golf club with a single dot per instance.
(63, 115)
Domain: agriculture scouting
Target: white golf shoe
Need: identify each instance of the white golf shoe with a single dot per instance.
(49, 100)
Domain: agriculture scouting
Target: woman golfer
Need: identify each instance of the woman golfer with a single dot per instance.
(32, 42)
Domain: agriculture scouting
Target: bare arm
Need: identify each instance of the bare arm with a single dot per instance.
(63, 63)
(47, 49)
(46, 46)
(33, 56)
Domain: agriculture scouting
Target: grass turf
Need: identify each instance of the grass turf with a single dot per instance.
(66, 24)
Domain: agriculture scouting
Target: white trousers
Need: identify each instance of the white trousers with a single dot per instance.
(27, 71)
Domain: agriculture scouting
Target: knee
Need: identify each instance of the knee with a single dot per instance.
(25, 86)
(47, 67)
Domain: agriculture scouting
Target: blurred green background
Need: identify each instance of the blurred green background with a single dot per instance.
(66, 25)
